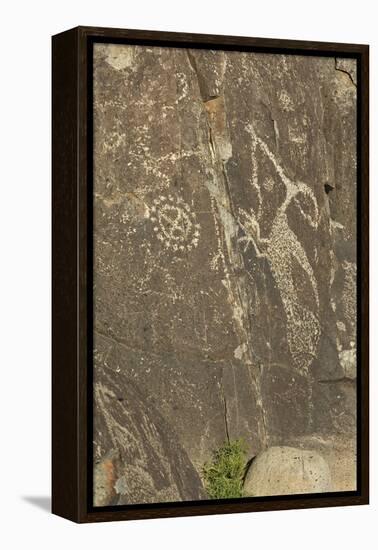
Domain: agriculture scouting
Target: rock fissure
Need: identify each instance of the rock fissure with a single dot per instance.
(338, 68)
(225, 411)
(238, 292)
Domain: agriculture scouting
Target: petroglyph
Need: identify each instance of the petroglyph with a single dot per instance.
(280, 248)
(175, 224)
(224, 263)
(349, 291)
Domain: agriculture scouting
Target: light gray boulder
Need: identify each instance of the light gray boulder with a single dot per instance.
(287, 471)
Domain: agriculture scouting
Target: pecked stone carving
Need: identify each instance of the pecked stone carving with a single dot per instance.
(225, 262)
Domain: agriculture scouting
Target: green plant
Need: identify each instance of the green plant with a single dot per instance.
(223, 476)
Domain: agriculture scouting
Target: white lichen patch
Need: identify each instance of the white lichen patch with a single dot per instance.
(119, 56)
(121, 485)
(348, 361)
(240, 351)
(341, 326)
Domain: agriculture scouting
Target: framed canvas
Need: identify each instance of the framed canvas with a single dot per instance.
(210, 274)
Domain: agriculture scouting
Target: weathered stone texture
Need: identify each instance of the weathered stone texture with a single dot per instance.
(225, 261)
(287, 471)
(137, 457)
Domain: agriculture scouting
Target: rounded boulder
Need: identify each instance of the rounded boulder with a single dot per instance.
(287, 471)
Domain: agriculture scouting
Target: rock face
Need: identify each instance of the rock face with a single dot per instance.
(225, 262)
(287, 471)
(137, 457)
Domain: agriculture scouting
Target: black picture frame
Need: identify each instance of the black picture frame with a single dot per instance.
(72, 271)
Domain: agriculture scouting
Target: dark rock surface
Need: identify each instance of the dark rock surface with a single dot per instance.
(225, 250)
(137, 457)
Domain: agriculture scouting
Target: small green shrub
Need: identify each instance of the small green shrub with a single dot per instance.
(223, 476)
